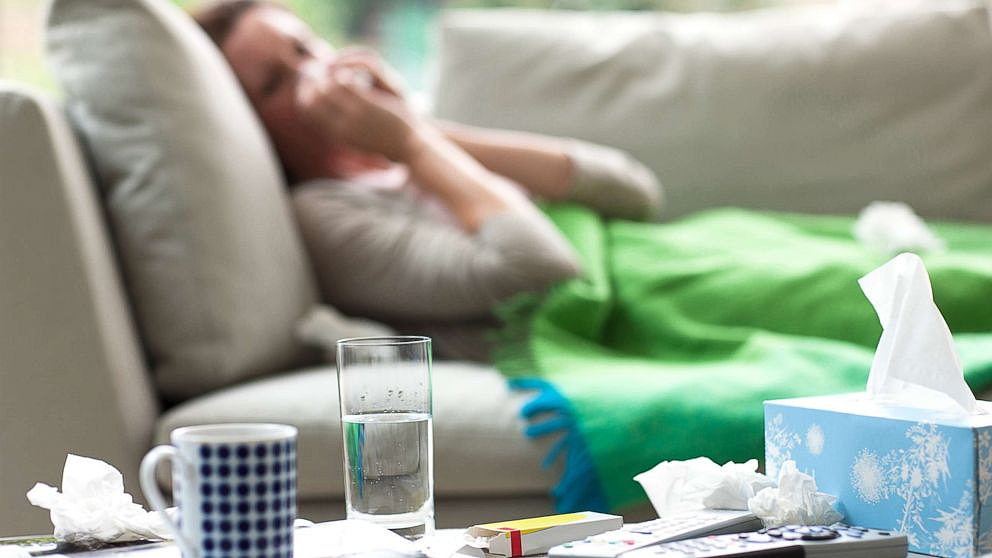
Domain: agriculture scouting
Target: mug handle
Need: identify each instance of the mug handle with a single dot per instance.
(149, 485)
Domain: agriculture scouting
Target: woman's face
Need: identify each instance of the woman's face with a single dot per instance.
(266, 48)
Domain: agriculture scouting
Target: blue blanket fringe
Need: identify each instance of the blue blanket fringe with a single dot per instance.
(579, 488)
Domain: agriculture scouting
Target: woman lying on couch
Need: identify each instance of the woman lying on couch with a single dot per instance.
(420, 224)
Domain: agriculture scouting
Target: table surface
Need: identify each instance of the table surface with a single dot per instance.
(449, 539)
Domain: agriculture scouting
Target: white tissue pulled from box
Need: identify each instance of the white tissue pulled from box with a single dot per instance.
(916, 363)
(795, 501)
(892, 227)
(677, 486)
(93, 506)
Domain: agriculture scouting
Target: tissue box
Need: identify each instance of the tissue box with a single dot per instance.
(538, 534)
(925, 473)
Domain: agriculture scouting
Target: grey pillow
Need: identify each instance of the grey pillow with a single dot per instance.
(822, 108)
(212, 259)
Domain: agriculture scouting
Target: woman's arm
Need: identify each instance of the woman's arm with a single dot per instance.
(602, 178)
(379, 121)
(383, 256)
(539, 163)
(468, 189)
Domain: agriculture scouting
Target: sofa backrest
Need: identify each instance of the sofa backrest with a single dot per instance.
(195, 197)
(820, 109)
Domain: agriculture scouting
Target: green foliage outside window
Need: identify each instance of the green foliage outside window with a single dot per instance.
(401, 30)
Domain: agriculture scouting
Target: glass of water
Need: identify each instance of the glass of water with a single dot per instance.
(385, 389)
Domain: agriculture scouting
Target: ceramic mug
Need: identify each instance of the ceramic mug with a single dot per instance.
(234, 485)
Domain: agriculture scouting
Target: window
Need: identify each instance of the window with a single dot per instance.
(21, 47)
(399, 29)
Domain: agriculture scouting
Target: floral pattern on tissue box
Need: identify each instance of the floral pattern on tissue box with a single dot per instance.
(923, 473)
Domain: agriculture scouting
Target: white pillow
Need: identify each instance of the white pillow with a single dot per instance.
(212, 259)
(820, 109)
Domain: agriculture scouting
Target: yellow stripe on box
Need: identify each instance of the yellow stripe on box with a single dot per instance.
(536, 523)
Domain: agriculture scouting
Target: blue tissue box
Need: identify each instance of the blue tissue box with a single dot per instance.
(924, 473)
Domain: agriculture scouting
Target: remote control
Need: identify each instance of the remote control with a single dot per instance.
(791, 541)
(668, 528)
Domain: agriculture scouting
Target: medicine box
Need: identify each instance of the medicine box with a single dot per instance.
(538, 534)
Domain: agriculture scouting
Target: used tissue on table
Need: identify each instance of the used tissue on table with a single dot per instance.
(914, 452)
(796, 501)
(677, 486)
(93, 506)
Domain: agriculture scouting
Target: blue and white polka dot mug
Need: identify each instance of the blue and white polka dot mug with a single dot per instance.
(235, 487)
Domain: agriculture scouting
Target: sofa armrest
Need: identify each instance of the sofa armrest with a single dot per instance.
(72, 377)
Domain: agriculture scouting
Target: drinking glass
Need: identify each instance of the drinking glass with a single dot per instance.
(385, 390)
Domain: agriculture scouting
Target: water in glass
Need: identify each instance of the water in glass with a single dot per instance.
(389, 462)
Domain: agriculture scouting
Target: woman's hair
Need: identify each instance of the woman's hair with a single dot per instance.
(219, 17)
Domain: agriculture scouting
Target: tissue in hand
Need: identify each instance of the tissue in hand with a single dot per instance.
(93, 506)
(895, 459)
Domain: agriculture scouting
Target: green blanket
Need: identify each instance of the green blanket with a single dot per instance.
(668, 345)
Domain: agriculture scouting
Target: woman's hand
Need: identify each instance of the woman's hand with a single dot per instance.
(346, 108)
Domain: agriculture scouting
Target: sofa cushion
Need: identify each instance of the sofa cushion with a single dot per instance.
(479, 446)
(216, 271)
(821, 109)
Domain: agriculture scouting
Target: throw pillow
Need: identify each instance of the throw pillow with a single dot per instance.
(215, 268)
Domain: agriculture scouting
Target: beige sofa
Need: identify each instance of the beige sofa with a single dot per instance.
(818, 109)
(73, 377)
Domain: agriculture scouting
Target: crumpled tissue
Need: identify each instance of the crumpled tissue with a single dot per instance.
(916, 363)
(794, 501)
(93, 506)
(679, 486)
(674, 486)
(892, 227)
